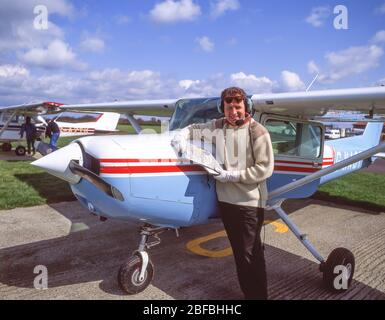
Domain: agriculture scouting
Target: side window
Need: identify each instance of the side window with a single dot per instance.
(297, 139)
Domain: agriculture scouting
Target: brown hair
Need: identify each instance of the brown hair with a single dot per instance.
(233, 91)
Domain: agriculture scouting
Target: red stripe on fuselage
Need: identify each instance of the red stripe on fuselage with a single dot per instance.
(188, 168)
(136, 160)
(151, 169)
(295, 169)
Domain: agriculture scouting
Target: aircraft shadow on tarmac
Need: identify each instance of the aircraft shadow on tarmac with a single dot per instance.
(96, 254)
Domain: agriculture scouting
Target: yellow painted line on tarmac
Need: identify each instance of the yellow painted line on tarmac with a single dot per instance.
(195, 245)
(279, 226)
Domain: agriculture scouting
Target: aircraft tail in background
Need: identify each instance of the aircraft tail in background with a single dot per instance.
(107, 121)
(372, 134)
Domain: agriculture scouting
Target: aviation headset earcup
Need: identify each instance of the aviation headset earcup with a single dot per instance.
(249, 105)
(220, 106)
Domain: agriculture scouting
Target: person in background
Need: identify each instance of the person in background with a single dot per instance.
(30, 133)
(53, 132)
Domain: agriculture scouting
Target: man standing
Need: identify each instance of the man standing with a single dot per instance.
(53, 132)
(30, 133)
(248, 160)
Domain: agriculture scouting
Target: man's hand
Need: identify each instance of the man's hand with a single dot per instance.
(228, 176)
(179, 144)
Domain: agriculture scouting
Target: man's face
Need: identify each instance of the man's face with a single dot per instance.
(234, 108)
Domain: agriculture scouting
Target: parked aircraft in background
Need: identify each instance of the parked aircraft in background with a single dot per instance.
(70, 123)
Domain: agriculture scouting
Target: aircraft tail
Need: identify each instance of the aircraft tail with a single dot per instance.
(107, 122)
(372, 134)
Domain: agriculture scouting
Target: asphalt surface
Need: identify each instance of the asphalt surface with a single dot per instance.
(82, 255)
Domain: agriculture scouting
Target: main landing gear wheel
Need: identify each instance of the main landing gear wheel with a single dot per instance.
(129, 275)
(20, 151)
(338, 279)
(6, 147)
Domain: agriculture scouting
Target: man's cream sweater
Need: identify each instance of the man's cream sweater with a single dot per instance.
(234, 150)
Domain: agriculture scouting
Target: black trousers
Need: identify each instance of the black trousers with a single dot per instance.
(30, 142)
(243, 226)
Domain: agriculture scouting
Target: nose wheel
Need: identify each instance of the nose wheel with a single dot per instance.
(129, 277)
(136, 274)
(20, 151)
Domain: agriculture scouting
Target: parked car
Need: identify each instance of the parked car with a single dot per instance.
(332, 134)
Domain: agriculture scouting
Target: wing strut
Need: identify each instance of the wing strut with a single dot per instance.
(135, 124)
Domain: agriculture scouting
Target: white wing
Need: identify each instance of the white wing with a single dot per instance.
(296, 104)
(142, 107)
(34, 108)
(318, 103)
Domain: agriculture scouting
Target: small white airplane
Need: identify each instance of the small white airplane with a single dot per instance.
(70, 123)
(141, 178)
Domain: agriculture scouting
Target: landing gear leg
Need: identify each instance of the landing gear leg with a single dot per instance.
(137, 272)
(338, 269)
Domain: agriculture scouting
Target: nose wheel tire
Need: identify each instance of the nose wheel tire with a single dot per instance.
(20, 151)
(338, 270)
(128, 276)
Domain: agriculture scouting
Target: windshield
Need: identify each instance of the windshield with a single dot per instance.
(189, 111)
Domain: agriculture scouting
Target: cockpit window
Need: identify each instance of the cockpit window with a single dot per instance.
(189, 111)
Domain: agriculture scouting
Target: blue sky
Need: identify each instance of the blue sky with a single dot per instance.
(108, 50)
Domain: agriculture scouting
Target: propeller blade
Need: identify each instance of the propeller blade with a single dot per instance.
(95, 180)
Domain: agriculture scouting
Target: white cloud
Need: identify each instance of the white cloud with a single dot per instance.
(219, 7)
(318, 16)
(312, 68)
(174, 11)
(186, 84)
(381, 9)
(251, 83)
(58, 54)
(203, 87)
(291, 81)
(20, 86)
(205, 43)
(351, 61)
(379, 37)
(16, 23)
(93, 44)
(9, 71)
